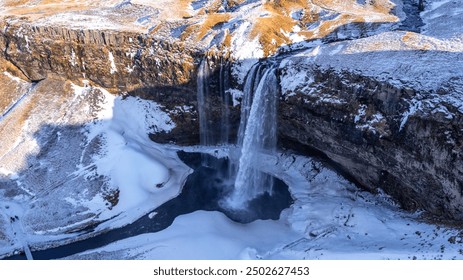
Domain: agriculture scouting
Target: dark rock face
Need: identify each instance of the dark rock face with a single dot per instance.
(151, 66)
(114, 59)
(358, 122)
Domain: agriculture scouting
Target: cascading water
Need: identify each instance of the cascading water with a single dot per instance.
(203, 109)
(250, 86)
(257, 130)
(225, 96)
(213, 103)
(257, 135)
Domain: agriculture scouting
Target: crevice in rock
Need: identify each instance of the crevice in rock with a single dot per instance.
(412, 21)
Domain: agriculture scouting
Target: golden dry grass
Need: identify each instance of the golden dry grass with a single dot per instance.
(271, 32)
(272, 28)
(44, 8)
(276, 23)
(417, 41)
(14, 3)
(5, 65)
(198, 31)
(8, 92)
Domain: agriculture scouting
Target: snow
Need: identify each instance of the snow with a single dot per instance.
(295, 78)
(14, 78)
(107, 149)
(406, 59)
(360, 113)
(337, 49)
(236, 95)
(7, 173)
(294, 35)
(129, 158)
(434, 104)
(72, 60)
(111, 61)
(330, 219)
(246, 51)
(412, 110)
(442, 19)
(204, 235)
(371, 122)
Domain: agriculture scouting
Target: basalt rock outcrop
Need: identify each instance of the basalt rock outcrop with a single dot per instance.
(357, 122)
(117, 60)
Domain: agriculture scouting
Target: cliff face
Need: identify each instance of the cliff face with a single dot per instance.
(358, 123)
(117, 60)
(388, 109)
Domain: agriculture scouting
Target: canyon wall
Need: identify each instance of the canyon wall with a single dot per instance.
(358, 122)
(115, 59)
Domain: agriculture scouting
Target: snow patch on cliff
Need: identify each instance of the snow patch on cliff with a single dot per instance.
(112, 64)
(246, 52)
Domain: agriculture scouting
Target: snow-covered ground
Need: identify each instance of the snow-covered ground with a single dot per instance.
(80, 158)
(428, 62)
(330, 219)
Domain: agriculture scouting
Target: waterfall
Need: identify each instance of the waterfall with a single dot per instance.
(213, 103)
(250, 86)
(203, 108)
(257, 134)
(224, 83)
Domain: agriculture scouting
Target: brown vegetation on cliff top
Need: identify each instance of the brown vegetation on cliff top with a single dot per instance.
(280, 15)
(198, 31)
(275, 23)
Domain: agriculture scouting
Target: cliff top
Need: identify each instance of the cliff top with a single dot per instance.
(253, 29)
(271, 24)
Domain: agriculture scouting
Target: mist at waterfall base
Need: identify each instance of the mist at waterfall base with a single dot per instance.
(212, 185)
(257, 133)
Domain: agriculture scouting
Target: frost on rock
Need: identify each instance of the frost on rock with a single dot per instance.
(296, 78)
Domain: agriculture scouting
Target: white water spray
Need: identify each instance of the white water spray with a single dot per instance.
(257, 132)
(259, 135)
(202, 97)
